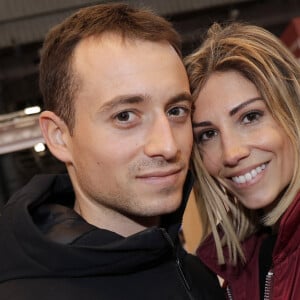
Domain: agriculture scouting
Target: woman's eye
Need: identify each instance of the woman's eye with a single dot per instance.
(251, 117)
(205, 136)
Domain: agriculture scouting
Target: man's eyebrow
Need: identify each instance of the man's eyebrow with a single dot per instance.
(120, 100)
(243, 104)
(181, 97)
(134, 99)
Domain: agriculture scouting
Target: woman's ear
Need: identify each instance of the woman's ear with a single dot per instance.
(56, 135)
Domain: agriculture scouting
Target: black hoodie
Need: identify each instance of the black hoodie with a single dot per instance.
(47, 251)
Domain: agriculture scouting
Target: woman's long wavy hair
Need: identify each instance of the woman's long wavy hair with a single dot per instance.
(261, 58)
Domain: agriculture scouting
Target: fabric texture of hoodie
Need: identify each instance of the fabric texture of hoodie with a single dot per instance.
(47, 251)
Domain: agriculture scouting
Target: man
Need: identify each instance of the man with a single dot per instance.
(118, 115)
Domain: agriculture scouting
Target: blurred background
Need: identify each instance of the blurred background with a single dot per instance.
(23, 25)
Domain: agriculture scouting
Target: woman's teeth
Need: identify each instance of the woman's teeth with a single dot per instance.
(249, 175)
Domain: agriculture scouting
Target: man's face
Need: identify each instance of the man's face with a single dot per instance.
(132, 138)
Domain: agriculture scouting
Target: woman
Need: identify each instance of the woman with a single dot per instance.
(246, 86)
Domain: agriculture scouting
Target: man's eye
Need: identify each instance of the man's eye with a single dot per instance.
(124, 116)
(178, 111)
(126, 119)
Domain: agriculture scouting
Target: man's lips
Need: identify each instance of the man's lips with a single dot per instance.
(160, 173)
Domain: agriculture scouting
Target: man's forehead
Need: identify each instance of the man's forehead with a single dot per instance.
(110, 68)
(117, 42)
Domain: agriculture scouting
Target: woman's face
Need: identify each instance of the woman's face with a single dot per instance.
(241, 144)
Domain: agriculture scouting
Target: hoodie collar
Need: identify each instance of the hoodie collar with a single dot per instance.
(82, 249)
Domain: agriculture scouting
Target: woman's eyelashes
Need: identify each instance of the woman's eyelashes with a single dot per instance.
(205, 135)
(251, 116)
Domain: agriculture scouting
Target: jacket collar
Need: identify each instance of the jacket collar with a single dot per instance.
(287, 241)
(289, 231)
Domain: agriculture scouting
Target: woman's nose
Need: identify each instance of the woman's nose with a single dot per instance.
(233, 149)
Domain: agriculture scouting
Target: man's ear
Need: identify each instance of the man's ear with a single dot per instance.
(56, 135)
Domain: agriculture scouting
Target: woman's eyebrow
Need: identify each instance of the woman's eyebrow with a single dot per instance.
(232, 112)
(201, 124)
(243, 104)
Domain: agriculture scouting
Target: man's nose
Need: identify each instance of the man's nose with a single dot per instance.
(161, 139)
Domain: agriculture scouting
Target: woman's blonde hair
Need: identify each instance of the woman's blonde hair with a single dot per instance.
(261, 58)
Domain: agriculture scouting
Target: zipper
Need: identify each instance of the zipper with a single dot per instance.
(268, 285)
(267, 291)
(228, 293)
(178, 265)
(180, 271)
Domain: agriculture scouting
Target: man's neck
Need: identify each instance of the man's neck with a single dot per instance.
(106, 218)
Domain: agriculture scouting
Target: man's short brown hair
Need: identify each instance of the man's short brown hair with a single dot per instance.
(58, 84)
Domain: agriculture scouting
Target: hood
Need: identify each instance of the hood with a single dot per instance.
(41, 236)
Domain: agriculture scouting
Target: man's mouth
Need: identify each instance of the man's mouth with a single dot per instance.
(158, 174)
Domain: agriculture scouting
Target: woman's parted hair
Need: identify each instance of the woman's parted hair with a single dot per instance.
(261, 58)
(58, 83)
